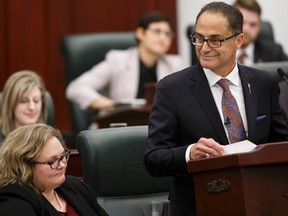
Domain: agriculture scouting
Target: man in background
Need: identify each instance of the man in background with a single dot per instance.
(254, 49)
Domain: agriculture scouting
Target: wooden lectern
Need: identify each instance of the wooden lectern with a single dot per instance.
(246, 184)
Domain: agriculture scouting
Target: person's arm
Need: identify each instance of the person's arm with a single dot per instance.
(11, 206)
(85, 89)
(102, 103)
(19, 200)
(164, 156)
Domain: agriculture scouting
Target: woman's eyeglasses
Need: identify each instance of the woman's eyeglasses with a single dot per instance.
(54, 164)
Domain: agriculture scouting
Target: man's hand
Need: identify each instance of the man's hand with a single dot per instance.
(205, 148)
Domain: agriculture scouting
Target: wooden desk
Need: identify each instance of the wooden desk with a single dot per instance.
(132, 117)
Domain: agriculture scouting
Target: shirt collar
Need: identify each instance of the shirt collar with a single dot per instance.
(213, 78)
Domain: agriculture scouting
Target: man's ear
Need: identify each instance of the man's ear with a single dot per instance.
(240, 40)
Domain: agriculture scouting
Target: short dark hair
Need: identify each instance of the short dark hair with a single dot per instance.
(250, 5)
(233, 15)
(154, 16)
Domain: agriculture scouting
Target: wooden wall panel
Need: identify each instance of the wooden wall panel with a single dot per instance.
(31, 33)
(99, 16)
(3, 51)
(26, 35)
(58, 25)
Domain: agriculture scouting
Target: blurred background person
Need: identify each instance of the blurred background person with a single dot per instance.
(32, 176)
(125, 72)
(23, 102)
(255, 50)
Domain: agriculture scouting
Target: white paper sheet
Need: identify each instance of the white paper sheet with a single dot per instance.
(239, 147)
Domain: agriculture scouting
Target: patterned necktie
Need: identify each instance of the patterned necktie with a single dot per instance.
(232, 117)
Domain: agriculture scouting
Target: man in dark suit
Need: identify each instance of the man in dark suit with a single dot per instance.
(186, 120)
(254, 49)
(268, 51)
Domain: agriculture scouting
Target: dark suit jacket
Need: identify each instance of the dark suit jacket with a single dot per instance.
(20, 200)
(268, 51)
(184, 110)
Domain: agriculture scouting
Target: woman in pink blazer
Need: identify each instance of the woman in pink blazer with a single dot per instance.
(125, 72)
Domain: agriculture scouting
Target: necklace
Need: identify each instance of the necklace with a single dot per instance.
(58, 200)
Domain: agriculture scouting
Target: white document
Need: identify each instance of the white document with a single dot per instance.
(134, 103)
(239, 147)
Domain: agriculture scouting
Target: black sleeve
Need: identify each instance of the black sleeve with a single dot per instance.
(12, 204)
(19, 200)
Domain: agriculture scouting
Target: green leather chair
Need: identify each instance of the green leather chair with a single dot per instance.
(81, 52)
(50, 108)
(112, 160)
(266, 32)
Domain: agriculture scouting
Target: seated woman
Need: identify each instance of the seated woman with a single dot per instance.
(124, 73)
(23, 102)
(32, 176)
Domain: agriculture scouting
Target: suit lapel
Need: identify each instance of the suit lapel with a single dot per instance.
(202, 92)
(250, 97)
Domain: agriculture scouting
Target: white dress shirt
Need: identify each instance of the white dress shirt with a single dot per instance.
(217, 92)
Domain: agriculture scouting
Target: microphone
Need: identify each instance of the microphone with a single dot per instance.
(282, 74)
(227, 122)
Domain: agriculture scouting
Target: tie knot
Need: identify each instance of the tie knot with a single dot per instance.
(224, 83)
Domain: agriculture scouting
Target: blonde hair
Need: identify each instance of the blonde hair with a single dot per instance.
(20, 149)
(16, 85)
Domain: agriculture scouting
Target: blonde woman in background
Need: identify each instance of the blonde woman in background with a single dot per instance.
(32, 176)
(23, 102)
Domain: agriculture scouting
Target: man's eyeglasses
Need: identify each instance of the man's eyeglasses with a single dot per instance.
(198, 40)
(54, 164)
(158, 31)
